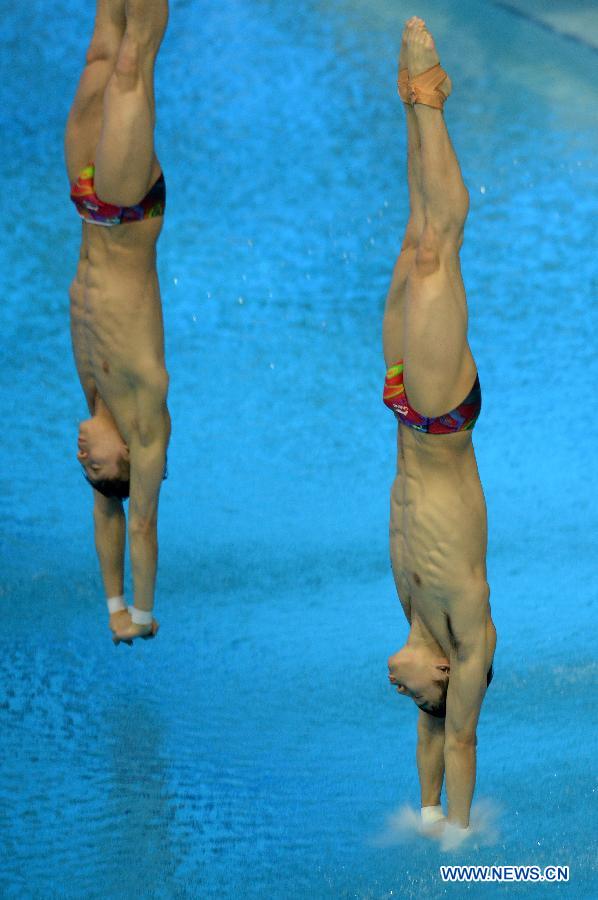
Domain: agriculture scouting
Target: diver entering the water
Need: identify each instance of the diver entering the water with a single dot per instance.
(438, 526)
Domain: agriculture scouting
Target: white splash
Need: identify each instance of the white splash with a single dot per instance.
(405, 826)
(402, 827)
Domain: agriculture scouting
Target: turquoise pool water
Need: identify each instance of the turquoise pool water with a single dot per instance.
(254, 749)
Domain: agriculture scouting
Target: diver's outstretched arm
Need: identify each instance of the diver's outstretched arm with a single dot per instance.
(466, 690)
(147, 456)
(110, 537)
(430, 758)
(110, 529)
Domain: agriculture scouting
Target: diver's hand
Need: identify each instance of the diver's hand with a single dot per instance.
(433, 821)
(128, 631)
(453, 836)
(119, 620)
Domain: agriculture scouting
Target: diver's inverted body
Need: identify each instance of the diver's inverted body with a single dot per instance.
(438, 530)
(116, 314)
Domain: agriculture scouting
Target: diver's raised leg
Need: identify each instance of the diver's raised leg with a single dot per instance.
(85, 117)
(439, 367)
(393, 323)
(125, 160)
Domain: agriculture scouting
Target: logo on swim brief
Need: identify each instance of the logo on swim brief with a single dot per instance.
(402, 410)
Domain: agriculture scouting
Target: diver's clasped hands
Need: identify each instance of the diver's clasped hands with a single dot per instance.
(434, 824)
(124, 630)
(431, 824)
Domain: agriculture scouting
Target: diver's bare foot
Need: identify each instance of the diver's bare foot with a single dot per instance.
(403, 50)
(413, 22)
(422, 53)
(403, 82)
(129, 631)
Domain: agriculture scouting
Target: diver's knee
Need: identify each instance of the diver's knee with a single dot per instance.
(412, 235)
(105, 42)
(127, 70)
(436, 246)
(448, 216)
(427, 254)
(98, 51)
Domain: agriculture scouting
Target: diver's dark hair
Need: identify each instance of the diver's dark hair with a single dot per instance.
(110, 487)
(438, 709)
(115, 487)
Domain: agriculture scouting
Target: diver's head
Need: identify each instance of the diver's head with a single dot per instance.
(419, 673)
(104, 457)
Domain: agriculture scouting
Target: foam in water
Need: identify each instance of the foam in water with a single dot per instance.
(405, 826)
